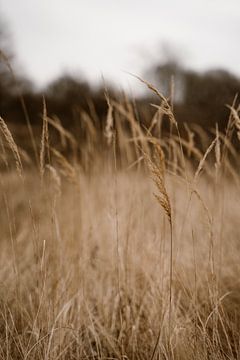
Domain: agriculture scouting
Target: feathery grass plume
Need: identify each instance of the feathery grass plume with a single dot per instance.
(6, 61)
(202, 161)
(87, 120)
(64, 134)
(191, 136)
(8, 136)
(157, 169)
(65, 167)
(217, 150)
(25, 158)
(44, 149)
(167, 110)
(109, 121)
(156, 121)
(56, 179)
(138, 136)
(227, 138)
(3, 152)
(235, 115)
(165, 106)
(194, 150)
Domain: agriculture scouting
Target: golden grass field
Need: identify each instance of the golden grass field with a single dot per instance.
(94, 266)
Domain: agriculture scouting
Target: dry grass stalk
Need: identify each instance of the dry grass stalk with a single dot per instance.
(56, 179)
(91, 131)
(193, 149)
(64, 134)
(217, 150)
(156, 121)
(191, 143)
(109, 121)
(157, 169)
(8, 136)
(69, 304)
(65, 167)
(3, 152)
(6, 61)
(202, 161)
(137, 131)
(167, 109)
(44, 149)
(235, 115)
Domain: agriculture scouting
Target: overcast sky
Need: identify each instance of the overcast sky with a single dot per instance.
(108, 37)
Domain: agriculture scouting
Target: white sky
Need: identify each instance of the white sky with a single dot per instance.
(108, 37)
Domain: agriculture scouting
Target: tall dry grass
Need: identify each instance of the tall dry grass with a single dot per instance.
(93, 268)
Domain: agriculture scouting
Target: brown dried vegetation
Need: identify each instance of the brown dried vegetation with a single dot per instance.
(93, 268)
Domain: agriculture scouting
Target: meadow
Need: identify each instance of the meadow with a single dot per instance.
(124, 245)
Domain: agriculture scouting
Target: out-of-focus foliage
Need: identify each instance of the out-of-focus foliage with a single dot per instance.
(197, 97)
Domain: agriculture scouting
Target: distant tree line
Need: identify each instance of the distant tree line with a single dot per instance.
(198, 97)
